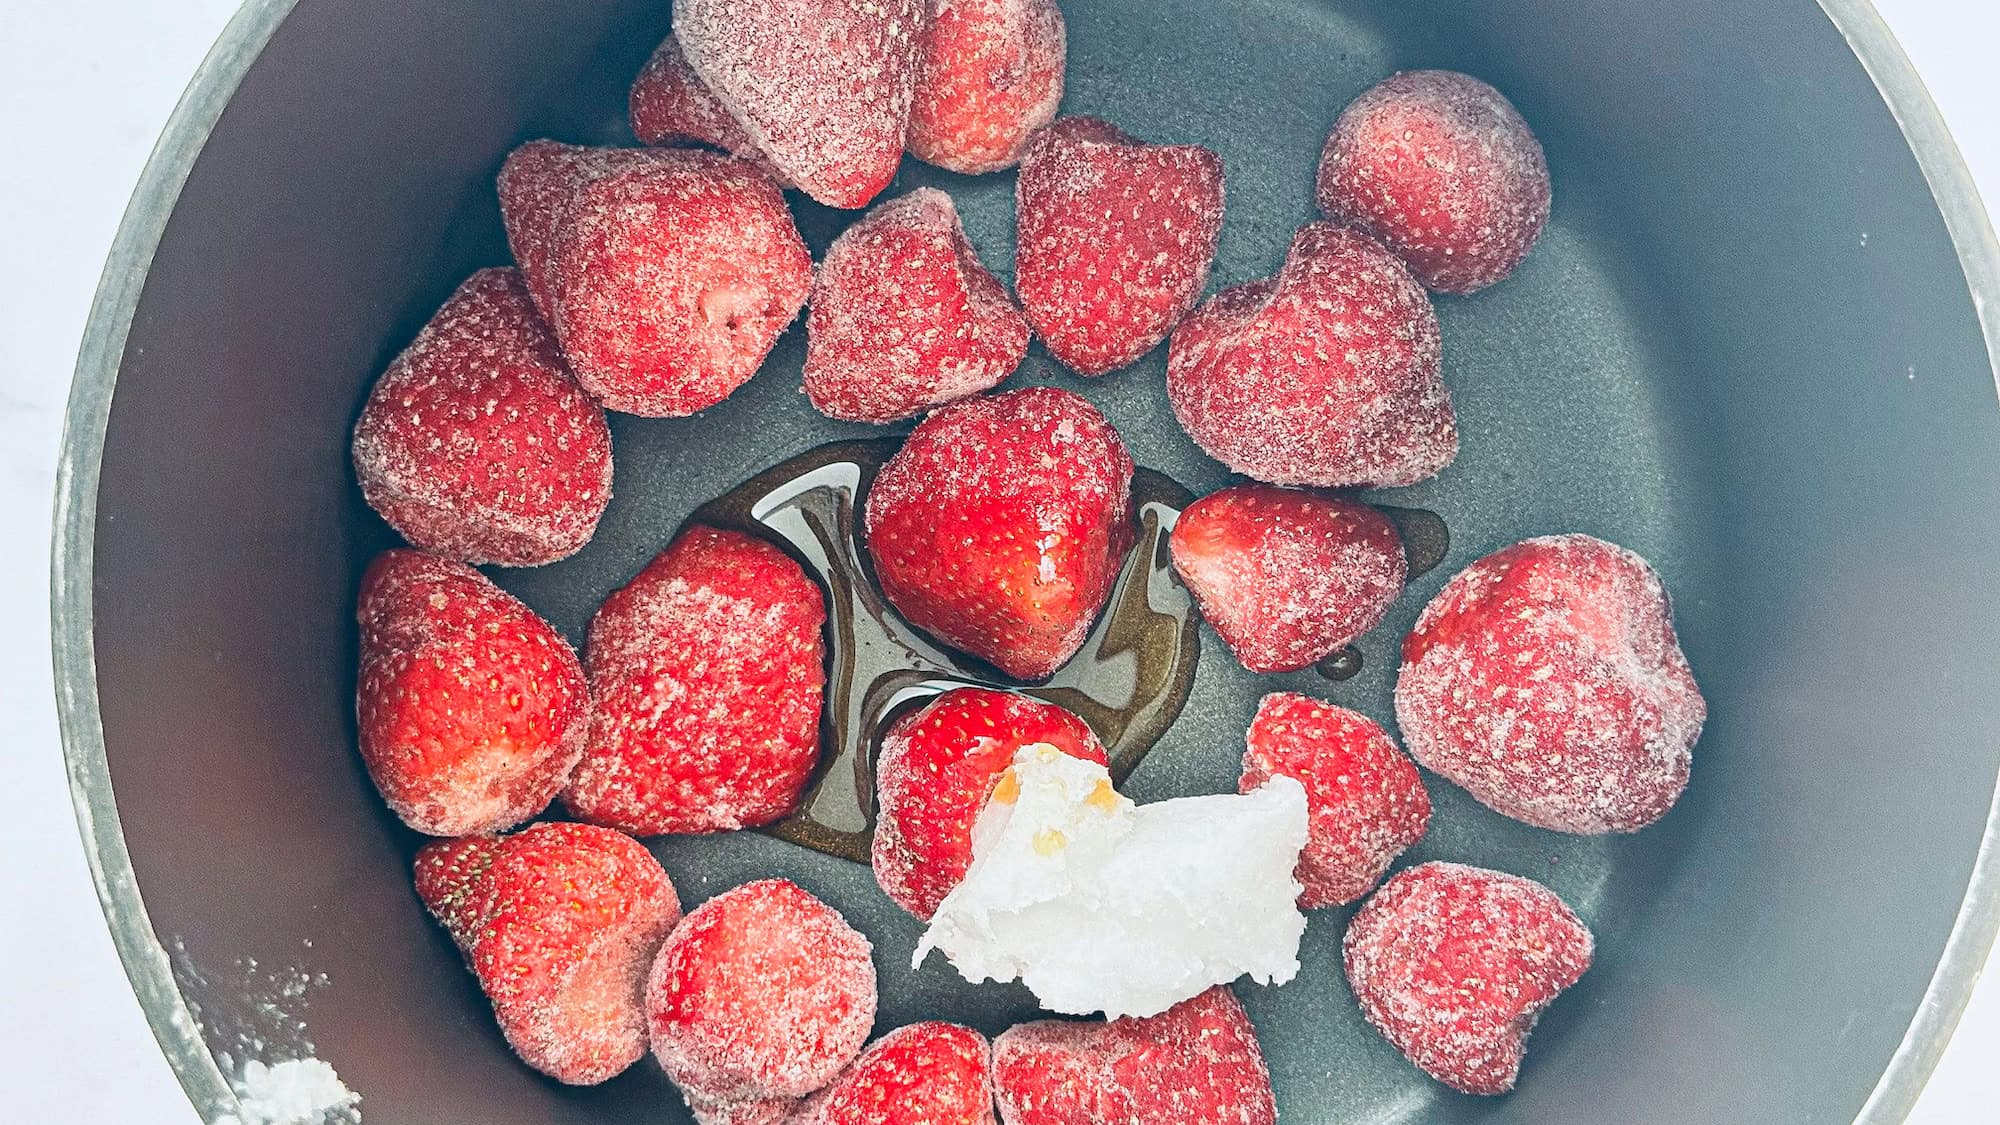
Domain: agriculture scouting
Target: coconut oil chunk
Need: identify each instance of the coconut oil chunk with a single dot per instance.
(1101, 905)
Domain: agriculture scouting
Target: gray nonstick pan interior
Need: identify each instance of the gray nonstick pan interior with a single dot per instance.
(1745, 348)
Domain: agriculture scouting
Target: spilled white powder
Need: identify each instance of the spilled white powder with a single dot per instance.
(292, 1092)
(1100, 905)
(249, 1013)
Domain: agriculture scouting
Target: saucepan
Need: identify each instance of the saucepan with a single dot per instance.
(1753, 345)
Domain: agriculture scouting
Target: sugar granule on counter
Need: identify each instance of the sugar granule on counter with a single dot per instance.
(293, 1092)
(1100, 905)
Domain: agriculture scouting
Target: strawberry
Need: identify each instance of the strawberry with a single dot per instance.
(761, 1111)
(1326, 375)
(760, 997)
(450, 878)
(1442, 169)
(904, 318)
(923, 1074)
(559, 927)
(670, 106)
(477, 443)
(1197, 1063)
(936, 768)
(821, 87)
(471, 710)
(1000, 524)
(1287, 577)
(1454, 964)
(667, 274)
(1364, 799)
(706, 675)
(1116, 239)
(1547, 680)
(990, 73)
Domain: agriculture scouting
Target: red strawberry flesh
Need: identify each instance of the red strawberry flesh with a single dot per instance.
(1000, 525)
(1365, 801)
(450, 874)
(560, 928)
(669, 105)
(1442, 169)
(706, 675)
(761, 996)
(471, 710)
(989, 75)
(667, 274)
(1325, 376)
(821, 87)
(937, 767)
(1197, 1063)
(477, 443)
(923, 1074)
(1287, 577)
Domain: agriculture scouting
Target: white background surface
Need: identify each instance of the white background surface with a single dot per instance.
(85, 86)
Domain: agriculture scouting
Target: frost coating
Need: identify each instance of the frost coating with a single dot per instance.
(706, 677)
(760, 997)
(905, 318)
(1326, 375)
(1287, 577)
(667, 274)
(478, 443)
(990, 73)
(1116, 238)
(1546, 678)
(1441, 168)
(821, 87)
(1455, 964)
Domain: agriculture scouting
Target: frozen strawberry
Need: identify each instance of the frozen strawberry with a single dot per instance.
(1115, 239)
(1197, 1063)
(559, 923)
(936, 768)
(1000, 524)
(450, 876)
(1364, 799)
(924, 1074)
(1546, 679)
(990, 74)
(477, 443)
(471, 710)
(821, 87)
(904, 318)
(1326, 375)
(1454, 964)
(1287, 577)
(706, 677)
(763, 1111)
(670, 106)
(1442, 169)
(759, 998)
(667, 274)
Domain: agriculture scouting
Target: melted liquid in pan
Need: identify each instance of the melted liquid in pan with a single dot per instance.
(1129, 681)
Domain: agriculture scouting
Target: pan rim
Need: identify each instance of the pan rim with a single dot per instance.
(72, 560)
(1971, 229)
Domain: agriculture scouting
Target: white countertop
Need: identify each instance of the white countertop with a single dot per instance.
(86, 86)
